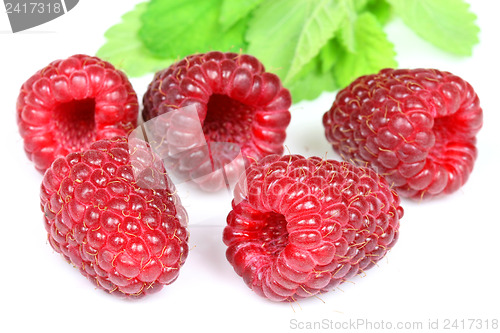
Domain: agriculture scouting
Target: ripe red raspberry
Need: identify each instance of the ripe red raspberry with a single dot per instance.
(416, 127)
(303, 226)
(116, 217)
(237, 103)
(69, 104)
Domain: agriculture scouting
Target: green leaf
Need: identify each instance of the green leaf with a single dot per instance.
(175, 29)
(373, 51)
(329, 55)
(311, 82)
(359, 5)
(311, 86)
(286, 34)
(347, 27)
(352, 8)
(126, 51)
(381, 9)
(447, 24)
(234, 10)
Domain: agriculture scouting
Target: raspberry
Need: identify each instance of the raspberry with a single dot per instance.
(115, 216)
(303, 226)
(69, 104)
(237, 103)
(416, 127)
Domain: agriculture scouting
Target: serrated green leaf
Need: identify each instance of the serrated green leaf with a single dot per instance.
(448, 24)
(359, 5)
(373, 51)
(234, 10)
(126, 51)
(286, 34)
(311, 86)
(175, 29)
(346, 33)
(311, 82)
(380, 9)
(328, 55)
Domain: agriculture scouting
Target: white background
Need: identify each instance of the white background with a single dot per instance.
(445, 265)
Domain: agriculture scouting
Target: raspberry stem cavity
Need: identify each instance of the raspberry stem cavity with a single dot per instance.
(74, 123)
